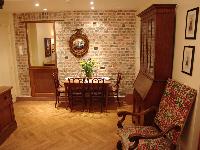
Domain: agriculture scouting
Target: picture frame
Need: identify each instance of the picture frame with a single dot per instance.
(47, 47)
(188, 59)
(191, 23)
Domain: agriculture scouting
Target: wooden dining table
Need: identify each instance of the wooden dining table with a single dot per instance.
(88, 82)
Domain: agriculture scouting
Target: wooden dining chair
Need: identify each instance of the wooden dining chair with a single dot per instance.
(115, 88)
(58, 88)
(97, 92)
(76, 91)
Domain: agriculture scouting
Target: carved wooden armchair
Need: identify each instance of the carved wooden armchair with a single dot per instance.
(169, 121)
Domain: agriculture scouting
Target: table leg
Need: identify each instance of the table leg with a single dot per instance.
(106, 97)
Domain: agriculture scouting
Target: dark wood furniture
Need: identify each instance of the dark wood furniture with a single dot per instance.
(7, 117)
(97, 92)
(59, 89)
(76, 91)
(42, 84)
(115, 88)
(199, 142)
(171, 116)
(87, 85)
(156, 57)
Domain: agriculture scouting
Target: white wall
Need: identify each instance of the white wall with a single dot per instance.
(137, 40)
(44, 30)
(8, 71)
(32, 43)
(189, 139)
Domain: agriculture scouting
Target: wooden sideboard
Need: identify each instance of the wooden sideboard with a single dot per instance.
(7, 117)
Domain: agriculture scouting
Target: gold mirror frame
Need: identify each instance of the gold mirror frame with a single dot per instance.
(79, 43)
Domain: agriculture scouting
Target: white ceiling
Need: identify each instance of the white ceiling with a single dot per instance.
(59, 5)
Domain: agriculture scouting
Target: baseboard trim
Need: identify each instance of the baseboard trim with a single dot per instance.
(30, 98)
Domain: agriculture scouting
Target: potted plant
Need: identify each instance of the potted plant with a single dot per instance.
(87, 66)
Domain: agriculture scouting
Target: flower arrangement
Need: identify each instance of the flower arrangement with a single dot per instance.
(87, 66)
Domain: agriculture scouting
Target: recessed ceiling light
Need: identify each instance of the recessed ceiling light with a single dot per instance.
(92, 7)
(37, 4)
(91, 3)
(45, 9)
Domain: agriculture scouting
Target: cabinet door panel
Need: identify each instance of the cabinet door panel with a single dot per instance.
(5, 117)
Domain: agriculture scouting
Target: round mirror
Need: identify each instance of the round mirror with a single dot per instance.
(79, 43)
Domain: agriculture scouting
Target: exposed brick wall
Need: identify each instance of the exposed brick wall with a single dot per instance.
(113, 32)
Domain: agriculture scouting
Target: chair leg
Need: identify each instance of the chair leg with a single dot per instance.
(59, 98)
(119, 145)
(83, 103)
(56, 101)
(118, 99)
(90, 104)
(102, 105)
(72, 103)
(67, 102)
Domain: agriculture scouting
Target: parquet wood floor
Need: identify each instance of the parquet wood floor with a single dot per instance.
(43, 127)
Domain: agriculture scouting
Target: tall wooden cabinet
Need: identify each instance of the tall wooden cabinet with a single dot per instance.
(156, 57)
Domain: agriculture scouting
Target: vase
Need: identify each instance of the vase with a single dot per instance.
(88, 74)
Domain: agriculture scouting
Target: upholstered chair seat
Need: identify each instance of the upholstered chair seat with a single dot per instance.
(144, 144)
(61, 89)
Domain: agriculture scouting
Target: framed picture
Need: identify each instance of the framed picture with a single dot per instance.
(188, 58)
(47, 46)
(191, 23)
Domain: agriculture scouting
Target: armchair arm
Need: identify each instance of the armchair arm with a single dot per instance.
(135, 138)
(123, 114)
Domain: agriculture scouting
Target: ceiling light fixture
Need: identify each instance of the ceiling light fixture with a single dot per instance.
(37, 4)
(92, 7)
(45, 9)
(91, 3)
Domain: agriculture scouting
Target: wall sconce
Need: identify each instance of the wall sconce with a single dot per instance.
(1, 4)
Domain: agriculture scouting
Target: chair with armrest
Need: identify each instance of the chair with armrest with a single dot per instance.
(115, 88)
(169, 121)
(76, 91)
(59, 89)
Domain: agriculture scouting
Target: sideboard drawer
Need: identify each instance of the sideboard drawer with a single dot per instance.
(5, 99)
